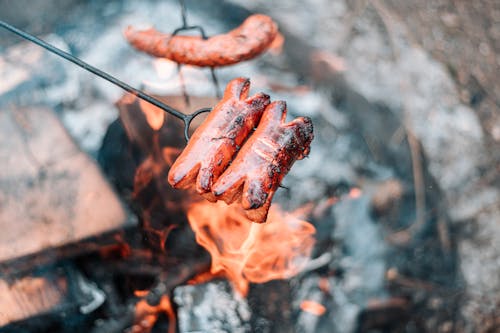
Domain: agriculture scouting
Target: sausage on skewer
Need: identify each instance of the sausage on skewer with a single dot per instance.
(265, 158)
(245, 42)
(214, 144)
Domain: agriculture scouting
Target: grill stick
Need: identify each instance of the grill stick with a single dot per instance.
(186, 118)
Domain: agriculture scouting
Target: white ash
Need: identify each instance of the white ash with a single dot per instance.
(342, 311)
(307, 322)
(211, 307)
(452, 140)
(90, 125)
(364, 260)
(385, 66)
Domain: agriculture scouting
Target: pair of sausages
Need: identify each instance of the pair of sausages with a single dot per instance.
(209, 164)
(245, 42)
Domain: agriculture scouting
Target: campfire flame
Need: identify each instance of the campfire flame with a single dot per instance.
(154, 115)
(146, 315)
(313, 307)
(242, 251)
(249, 252)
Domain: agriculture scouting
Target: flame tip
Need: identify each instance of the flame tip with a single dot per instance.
(245, 251)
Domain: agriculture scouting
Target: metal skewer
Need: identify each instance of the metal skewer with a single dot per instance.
(186, 118)
(185, 26)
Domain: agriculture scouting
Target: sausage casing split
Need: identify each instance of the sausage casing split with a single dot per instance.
(245, 42)
(216, 141)
(263, 161)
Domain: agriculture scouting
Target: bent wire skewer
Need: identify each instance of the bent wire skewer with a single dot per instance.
(186, 118)
(185, 27)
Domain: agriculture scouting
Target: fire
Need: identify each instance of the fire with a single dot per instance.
(313, 307)
(205, 277)
(242, 251)
(146, 315)
(154, 115)
(249, 252)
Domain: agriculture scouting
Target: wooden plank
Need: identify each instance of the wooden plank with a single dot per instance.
(51, 193)
(30, 296)
(56, 291)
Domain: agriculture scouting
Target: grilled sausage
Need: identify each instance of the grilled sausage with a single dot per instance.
(214, 144)
(263, 161)
(247, 41)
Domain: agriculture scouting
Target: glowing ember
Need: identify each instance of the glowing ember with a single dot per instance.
(205, 277)
(154, 115)
(355, 193)
(312, 307)
(141, 293)
(146, 315)
(250, 252)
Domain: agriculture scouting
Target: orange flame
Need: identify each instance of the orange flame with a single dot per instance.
(249, 252)
(141, 293)
(205, 277)
(313, 307)
(154, 115)
(146, 315)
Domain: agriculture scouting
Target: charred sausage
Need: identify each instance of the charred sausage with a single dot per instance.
(245, 42)
(214, 144)
(263, 161)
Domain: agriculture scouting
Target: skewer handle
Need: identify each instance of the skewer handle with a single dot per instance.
(65, 55)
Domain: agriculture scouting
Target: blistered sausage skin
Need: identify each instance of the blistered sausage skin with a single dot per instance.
(216, 141)
(245, 42)
(263, 161)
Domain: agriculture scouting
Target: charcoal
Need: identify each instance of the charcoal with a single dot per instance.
(388, 314)
(271, 307)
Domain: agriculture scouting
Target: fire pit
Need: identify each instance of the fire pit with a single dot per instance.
(388, 225)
